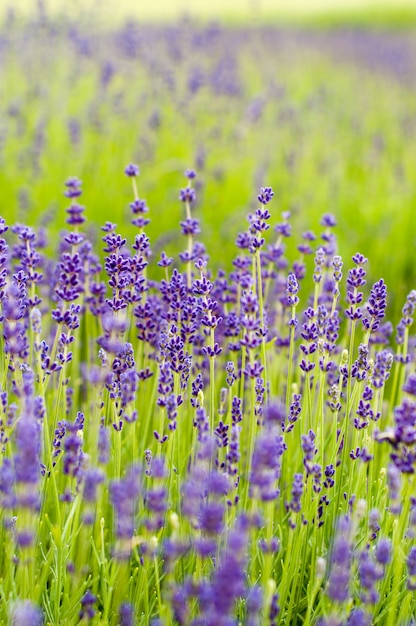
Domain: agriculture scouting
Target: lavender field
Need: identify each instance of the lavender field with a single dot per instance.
(207, 288)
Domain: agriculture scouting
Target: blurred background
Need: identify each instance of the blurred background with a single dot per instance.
(214, 9)
(312, 97)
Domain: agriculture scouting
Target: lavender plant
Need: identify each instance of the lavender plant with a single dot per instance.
(183, 446)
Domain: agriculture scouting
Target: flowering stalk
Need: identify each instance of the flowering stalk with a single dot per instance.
(292, 289)
(190, 227)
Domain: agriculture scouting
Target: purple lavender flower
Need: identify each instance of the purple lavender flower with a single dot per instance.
(75, 214)
(402, 438)
(320, 260)
(284, 229)
(328, 220)
(73, 185)
(274, 609)
(123, 494)
(73, 446)
(265, 195)
(28, 260)
(329, 473)
(376, 306)
(27, 464)
(294, 411)
(221, 434)
(126, 614)
(407, 316)
(339, 579)
(358, 617)
(355, 280)
(156, 502)
(231, 377)
(412, 517)
(297, 492)
(411, 569)
(292, 289)
(259, 390)
(190, 174)
(405, 419)
(187, 194)
(3, 259)
(88, 601)
(360, 367)
(93, 478)
(258, 223)
(70, 278)
(234, 453)
(383, 551)
(309, 334)
(236, 410)
(14, 310)
(165, 261)
(337, 266)
(139, 207)
(265, 469)
(382, 367)
(374, 523)
(274, 413)
(7, 484)
(370, 573)
(103, 445)
(254, 605)
(203, 500)
(309, 450)
(394, 485)
(131, 170)
(211, 518)
(228, 585)
(410, 385)
(25, 613)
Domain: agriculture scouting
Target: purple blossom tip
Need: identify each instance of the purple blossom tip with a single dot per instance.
(328, 220)
(73, 182)
(187, 195)
(265, 195)
(126, 614)
(359, 259)
(190, 174)
(27, 614)
(73, 186)
(131, 170)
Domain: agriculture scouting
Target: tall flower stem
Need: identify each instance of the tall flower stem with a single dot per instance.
(259, 283)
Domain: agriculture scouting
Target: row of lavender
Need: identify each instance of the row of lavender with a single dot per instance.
(313, 112)
(199, 449)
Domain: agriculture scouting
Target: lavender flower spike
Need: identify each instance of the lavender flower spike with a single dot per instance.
(339, 580)
(131, 170)
(265, 195)
(376, 306)
(26, 614)
(292, 289)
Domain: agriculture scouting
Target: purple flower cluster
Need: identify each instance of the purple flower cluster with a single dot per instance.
(265, 469)
(148, 407)
(339, 579)
(356, 280)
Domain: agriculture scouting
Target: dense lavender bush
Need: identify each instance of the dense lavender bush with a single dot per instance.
(202, 448)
